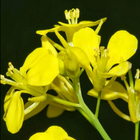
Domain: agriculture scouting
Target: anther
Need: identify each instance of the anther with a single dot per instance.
(77, 13)
(72, 15)
(2, 79)
(10, 71)
(10, 66)
(67, 15)
(97, 52)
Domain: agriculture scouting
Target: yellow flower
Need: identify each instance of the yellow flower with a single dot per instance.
(122, 45)
(52, 133)
(73, 26)
(129, 95)
(14, 110)
(41, 66)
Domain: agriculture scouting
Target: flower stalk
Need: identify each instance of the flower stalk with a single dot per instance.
(98, 105)
(86, 112)
(137, 131)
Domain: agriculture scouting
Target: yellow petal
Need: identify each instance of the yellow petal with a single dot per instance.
(122, 45)
(15, 113)
(87, 40)
(115, 91)
(7, 99)
(118, 70)
(52, 133)
(70, 29)
(54, 111)
(82, 57)
(40, 136)
(83, 24)
(56, 132)
(137, 85)
(44, 71)
(44, 32)
(48, 46)
(32, 59)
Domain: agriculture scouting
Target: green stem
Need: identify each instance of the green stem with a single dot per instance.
(94, 121)
(86, 112)
(137, 131)
(98, 105)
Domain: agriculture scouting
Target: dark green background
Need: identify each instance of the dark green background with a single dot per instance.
(19, 21)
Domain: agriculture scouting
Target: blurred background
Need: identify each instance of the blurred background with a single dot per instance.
(19, 21)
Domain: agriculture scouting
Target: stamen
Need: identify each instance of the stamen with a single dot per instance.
(102, 49)
(2, 79)
(97, 52)
(15, 74)
(67, 16)
(72, 15)
(10, 69)
(137, 76)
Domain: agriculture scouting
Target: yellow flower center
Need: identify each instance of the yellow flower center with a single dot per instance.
(101, 58)
(72, 15)
(15, 75)
(19, 81)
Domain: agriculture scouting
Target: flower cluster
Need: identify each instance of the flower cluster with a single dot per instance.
(58, 67)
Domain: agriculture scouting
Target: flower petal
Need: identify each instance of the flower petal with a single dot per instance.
(40, 136)
(56, 132)
(44, 32)
(122, 45)
(32, 59)
(15, 113)
(82, 57)
(7, 100)
(54, 111)
(52, 133)
(47, 45)
(87, 40)
(44, 71)
(118, 70)
(115, 91)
